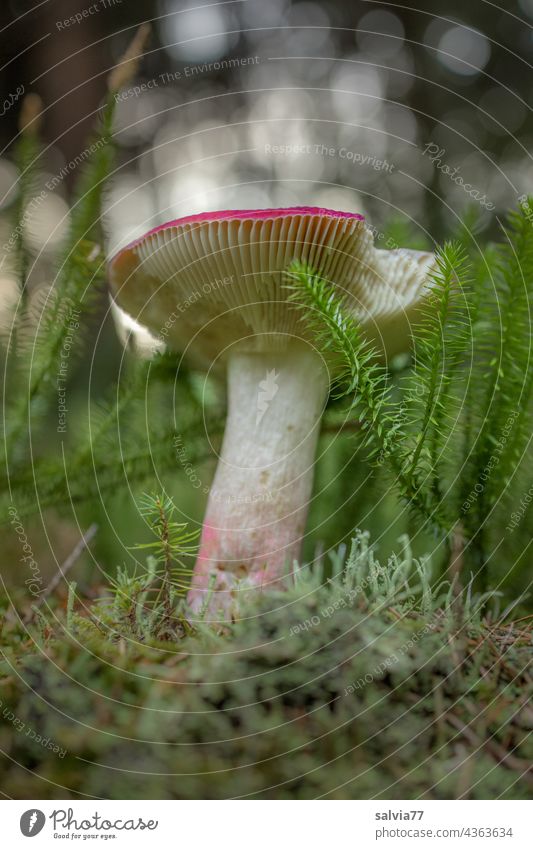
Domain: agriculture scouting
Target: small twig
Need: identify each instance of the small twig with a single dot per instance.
(65, 567)
(522, 618)
(30, 118)
(341, 428)
(455, 566)
(318, 558)
(128, 64)
(498, 752)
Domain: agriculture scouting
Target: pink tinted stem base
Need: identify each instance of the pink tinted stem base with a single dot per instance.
(257, 507)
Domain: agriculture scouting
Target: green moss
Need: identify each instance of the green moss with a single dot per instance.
(318, 691)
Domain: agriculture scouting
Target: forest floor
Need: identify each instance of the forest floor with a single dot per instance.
(321, 691)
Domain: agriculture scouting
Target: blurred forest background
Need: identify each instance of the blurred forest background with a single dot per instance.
(240, 104)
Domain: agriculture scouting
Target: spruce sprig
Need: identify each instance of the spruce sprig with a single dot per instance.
(357, 373)
(505, 355)
(442, 343)
(27, 156)
(498, 404)
(80, 273)
(397, 431)
(173, 541)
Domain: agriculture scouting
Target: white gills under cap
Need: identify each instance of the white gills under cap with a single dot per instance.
(208, 282)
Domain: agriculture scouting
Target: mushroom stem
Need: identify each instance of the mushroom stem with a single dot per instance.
(257, 506)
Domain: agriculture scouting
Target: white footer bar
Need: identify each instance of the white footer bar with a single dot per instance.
(268, 824)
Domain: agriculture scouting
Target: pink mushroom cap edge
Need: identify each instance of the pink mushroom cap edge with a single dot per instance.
(244, 215)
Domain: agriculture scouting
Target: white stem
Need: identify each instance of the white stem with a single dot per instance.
(257, 507)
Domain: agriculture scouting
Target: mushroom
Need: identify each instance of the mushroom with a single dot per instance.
(212, 286)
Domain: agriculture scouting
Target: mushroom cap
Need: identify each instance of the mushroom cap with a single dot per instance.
(205, 283)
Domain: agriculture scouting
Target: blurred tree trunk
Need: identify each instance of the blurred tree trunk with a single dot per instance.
(68, 68)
